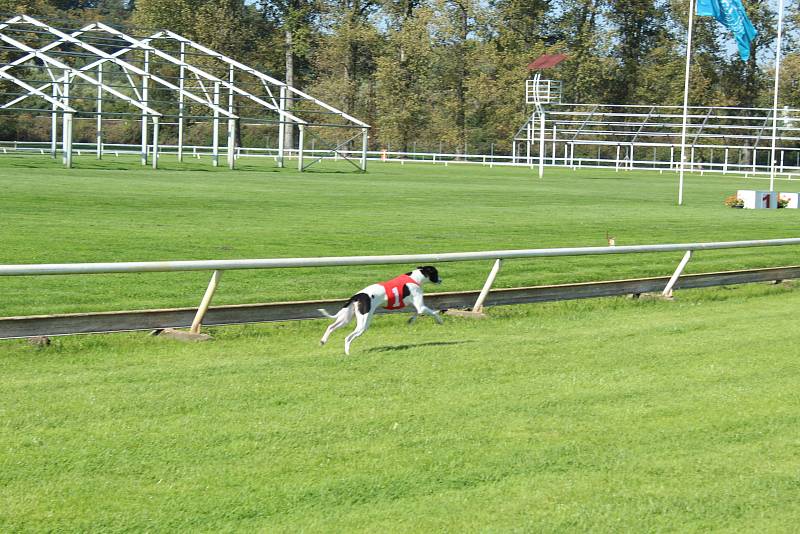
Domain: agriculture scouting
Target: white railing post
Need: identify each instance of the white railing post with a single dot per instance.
(99, 118)
(181, 85)
(155, 143)
(231, 124)
(209, 294)
(674, 278)
(478, 307)
(541, 147)
(364, 146)
(215, 132)
(54, 125)
(300, 146)
(145, 101)
(282, 128)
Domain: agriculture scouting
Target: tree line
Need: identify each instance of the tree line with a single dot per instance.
(449, 74)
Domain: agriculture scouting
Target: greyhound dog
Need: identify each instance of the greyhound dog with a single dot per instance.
(392, 295)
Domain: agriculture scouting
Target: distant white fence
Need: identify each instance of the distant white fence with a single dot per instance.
(619, 156)
(217, 266)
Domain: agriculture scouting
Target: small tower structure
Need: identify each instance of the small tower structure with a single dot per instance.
(539, 92)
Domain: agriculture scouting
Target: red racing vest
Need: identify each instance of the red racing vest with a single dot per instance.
(394, 291)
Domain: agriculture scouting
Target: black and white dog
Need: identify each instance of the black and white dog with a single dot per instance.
(392, 295)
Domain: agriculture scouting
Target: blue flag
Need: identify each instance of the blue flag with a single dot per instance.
(732, 15)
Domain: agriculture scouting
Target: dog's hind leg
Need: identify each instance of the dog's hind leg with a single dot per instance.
(342, 318)
(362, 323)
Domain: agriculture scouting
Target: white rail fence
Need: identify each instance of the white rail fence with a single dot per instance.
(619, 156)
(218, 266)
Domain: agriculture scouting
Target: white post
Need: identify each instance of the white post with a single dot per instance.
(231, 124)
(155, 142)
(616, 164)
(215, 126)
(775, 97)
(541, 147)
(674, 278)
(145, 88)
(99, 112)
(725, 164)
(364, 146)
(478, 307)
(529, 141)
(181, 76)
(300, 146)
(54, 126)
(282, 128)
(572, 155)
(68, 140)
(204, 304)
(685, 101)
(66, 143)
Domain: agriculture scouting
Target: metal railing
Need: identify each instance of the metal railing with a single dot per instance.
(217, 266)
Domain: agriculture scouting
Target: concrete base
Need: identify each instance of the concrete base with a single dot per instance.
(181, 335)
(654, 296)
(465, 313)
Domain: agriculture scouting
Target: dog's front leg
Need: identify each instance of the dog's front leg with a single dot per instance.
(433, 313)
(413, 318)
(421, 308)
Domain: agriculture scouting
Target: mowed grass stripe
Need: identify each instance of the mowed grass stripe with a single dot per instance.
(117, 211)
(600, 415)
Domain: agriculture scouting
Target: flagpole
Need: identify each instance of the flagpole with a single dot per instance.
(775, 97)
(686, 101)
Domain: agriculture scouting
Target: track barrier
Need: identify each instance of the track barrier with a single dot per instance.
(14, 327)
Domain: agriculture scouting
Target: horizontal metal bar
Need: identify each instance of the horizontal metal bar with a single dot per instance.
(123, 321)
(339, 261)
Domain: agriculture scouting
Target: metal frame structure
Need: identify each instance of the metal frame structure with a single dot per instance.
(726, 139)
(157, 75)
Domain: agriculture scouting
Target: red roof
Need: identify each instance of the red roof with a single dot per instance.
(546, 61)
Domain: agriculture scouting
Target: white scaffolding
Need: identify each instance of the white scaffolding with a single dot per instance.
(159, 77)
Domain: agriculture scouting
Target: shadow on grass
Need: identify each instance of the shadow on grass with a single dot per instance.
(416, 345)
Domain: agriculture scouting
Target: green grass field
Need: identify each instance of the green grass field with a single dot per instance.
(117, 211)
(604, 415)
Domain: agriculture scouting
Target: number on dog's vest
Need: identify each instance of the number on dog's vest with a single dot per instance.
(394, 291)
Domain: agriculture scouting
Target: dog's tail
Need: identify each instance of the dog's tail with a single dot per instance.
(325, 313)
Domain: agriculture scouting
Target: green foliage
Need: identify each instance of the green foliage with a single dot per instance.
(449, 74)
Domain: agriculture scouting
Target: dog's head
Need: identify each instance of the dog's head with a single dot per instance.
(430, 273)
